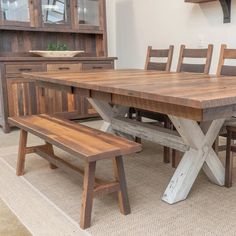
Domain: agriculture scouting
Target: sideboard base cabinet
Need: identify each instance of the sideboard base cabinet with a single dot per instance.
(20, 97)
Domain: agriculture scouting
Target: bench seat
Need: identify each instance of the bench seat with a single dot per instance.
(83, 142)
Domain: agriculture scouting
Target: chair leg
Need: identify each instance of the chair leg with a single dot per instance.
(216, 146)
(167, 151)
(87, 199)
(21, 153)
(50, 152)
(176, 158)
(166, 157)
(122, 193)
(228, 161)
(138, 118)
(130, 113)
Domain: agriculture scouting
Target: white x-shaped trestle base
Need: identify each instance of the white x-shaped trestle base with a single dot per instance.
(200, 155)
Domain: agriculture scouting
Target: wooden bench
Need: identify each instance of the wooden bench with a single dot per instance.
(89, 144)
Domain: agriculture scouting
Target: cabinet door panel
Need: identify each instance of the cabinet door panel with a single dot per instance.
(18, 12)
(22, 97)
(65, 104)
(56, 13)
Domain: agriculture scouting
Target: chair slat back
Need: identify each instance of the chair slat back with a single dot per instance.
(205, 53)
(159, 53)
(226, 70)
(193, 68)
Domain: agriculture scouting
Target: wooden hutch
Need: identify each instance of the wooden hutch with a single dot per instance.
(32, 25)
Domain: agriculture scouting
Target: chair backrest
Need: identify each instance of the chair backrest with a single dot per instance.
(201, 53)
(226, 53)
(159, 53)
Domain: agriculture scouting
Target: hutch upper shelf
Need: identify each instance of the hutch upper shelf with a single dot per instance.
(225, 4)
(51, 15)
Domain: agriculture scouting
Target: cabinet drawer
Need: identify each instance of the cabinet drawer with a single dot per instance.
(98, 66)
(23, 68)
(64, 67)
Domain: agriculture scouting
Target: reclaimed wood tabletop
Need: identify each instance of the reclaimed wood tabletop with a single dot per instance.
(196, 96)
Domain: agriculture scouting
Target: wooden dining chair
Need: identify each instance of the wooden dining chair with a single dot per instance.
(159, 60)
(204, 54)
(157, 54)
(230, 133)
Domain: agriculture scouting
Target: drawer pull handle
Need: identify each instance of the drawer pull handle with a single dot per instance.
(25, 69)
(63, 68)
(97, 67)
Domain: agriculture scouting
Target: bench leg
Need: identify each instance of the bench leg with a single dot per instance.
(50, 152)
(87, 199)
(122, 193)
(228, 161)
(21, 153)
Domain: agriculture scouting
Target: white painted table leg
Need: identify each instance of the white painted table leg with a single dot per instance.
(200, 152)
(212, 161)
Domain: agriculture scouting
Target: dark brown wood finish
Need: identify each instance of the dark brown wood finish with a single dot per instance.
(71, 137)
(18, 38)
(195, 53)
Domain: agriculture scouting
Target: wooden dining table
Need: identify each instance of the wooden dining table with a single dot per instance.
(197, 105)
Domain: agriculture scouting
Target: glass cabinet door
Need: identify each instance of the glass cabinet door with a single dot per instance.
(15, 10)
(55, 11)
(89, 12)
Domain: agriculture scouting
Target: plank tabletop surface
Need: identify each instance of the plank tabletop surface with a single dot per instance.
(185, 89)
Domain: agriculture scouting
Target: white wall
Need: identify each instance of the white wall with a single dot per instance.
(111, 26)
(135, 24)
